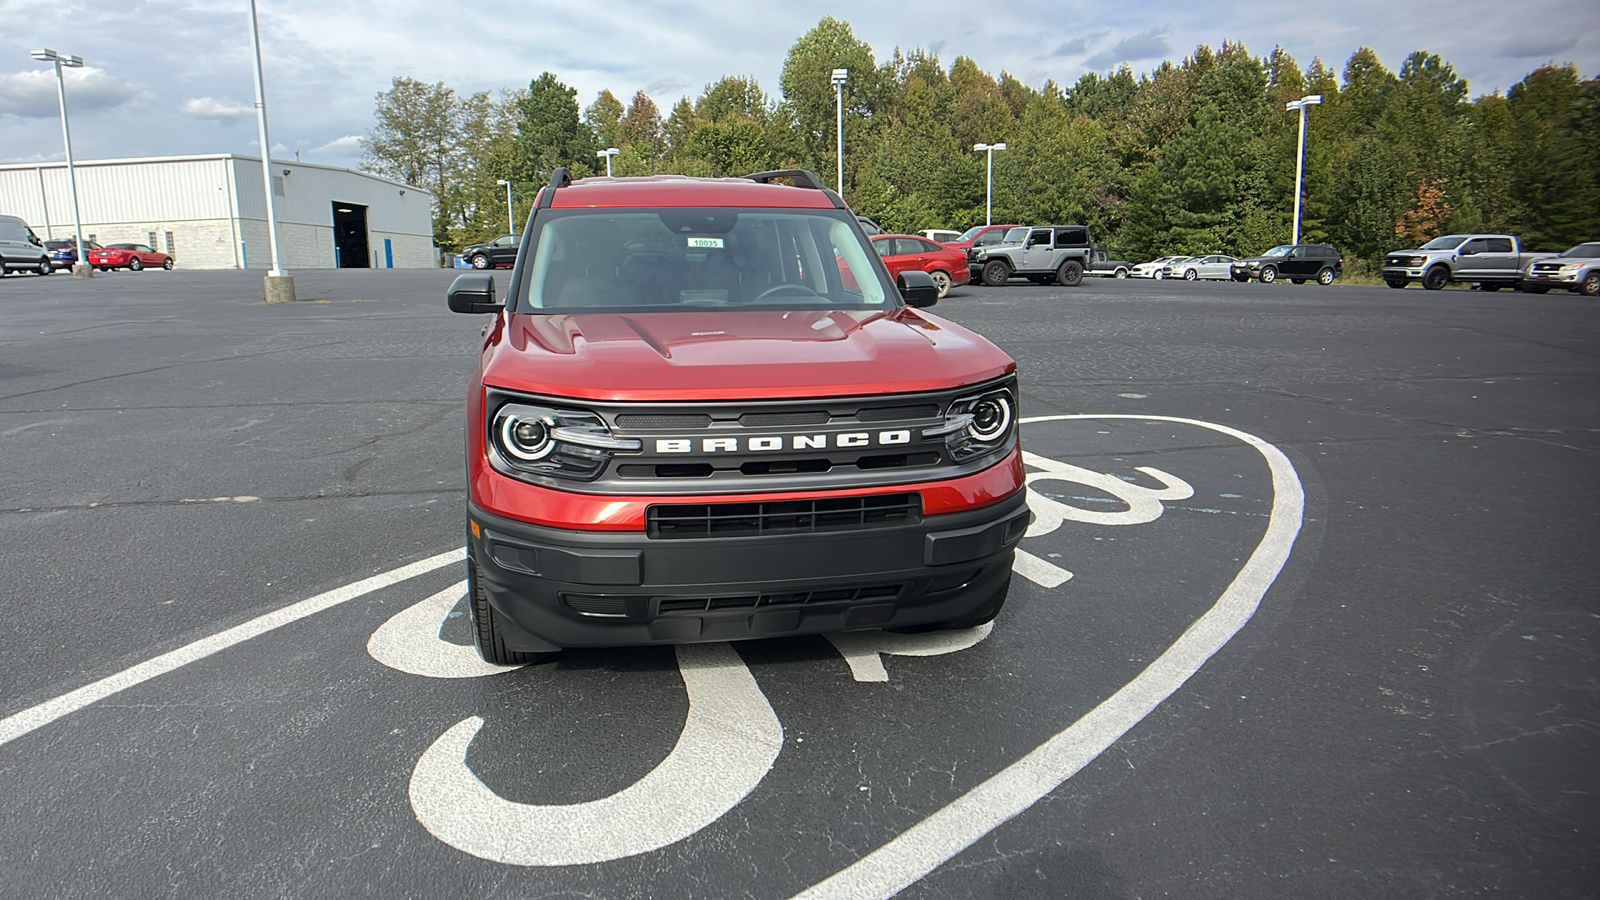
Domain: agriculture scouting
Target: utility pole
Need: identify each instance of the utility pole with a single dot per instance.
(279, 284)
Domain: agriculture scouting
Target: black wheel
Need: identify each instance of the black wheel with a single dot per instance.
(167, 264)
(1298, 280)
(1395, 283)
(44, 267)
(479, 261)
(988, 612)
(1325, 276)
(486, 627)
(1070, 274)
(1269, 274)
(136, 264)
(1190, 275)
(1591, 285)
(1436, 278)
(995, 273)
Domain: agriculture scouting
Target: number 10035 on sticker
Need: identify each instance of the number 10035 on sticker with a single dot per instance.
(705, 243)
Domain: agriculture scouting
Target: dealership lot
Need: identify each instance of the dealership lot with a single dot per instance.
(1309, 612)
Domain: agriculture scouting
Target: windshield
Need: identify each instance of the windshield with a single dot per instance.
(666, 260)
(1448, 242)
(971, 233)
(1279, 251)
(1583, 251)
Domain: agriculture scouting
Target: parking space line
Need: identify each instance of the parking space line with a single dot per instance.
(1041, 572)
(19, 724)
(914, 853)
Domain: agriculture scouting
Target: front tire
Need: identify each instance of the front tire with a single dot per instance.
(1436, 278)
(136, 264)
(995, 273)
(1070, 274)
(1590, 286)
(942, 281)
(1269, 274)
(1191, 275)
(486, 634)
(167, 264)
(480, 261)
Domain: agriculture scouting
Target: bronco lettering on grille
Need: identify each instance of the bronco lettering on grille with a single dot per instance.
(795, 442)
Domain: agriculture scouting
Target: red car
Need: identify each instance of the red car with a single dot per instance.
(980, 236)
(687, 425)
(128, 256)
(900, 252)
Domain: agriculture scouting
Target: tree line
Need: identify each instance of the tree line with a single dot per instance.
(1192, 158)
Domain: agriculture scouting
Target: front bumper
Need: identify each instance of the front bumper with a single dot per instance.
(1558, 279)
(1396, 273)
(557, 588)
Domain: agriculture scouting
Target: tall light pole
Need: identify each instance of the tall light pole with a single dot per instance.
(608, 153)
(511, 219)
(1300, 155)
(279, 284)
(840, 76)
(988, 192)
(80, 265)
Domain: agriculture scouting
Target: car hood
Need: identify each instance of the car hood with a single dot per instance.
(735, 355)
(1257, 260)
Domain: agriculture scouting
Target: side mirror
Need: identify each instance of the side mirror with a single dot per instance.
(473, 293)
(917, 288)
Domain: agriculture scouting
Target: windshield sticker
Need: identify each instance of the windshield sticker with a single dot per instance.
(704, 243)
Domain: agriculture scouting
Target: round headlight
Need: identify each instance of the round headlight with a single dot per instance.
(991, 416)
(525, 438)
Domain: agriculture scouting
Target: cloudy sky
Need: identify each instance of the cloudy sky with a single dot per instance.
(174, 76)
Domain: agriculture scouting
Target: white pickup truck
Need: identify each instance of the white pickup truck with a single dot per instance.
(1493, 261)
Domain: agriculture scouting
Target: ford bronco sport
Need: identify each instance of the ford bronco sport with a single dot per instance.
(704, 412)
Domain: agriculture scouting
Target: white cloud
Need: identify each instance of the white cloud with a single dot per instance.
(224, 111)
(1150, 44)
(32, 93)
(341, 147)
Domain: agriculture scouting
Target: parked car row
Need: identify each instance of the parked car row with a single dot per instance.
(1492, 262)
(22, 251)
(1298, 263)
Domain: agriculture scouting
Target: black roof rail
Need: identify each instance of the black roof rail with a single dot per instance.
(801, 178)
(560, 178)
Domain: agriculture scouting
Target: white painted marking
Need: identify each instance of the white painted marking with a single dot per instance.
(410, 641)
(730, 739)
(1042, 572)
(914, 853)
(861, 649)
(1144, 504)
(19, 724)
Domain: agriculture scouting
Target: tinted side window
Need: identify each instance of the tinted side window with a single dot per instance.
(1476, 245)
(1297, 253)
(1072, 237)
(1499, 245)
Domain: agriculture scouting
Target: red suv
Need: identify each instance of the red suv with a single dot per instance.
(704, 412)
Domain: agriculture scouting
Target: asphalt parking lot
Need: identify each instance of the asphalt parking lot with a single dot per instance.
(1309, 612)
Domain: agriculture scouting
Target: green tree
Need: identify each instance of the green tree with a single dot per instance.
(549, 133)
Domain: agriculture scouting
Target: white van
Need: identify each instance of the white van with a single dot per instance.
(20, 249)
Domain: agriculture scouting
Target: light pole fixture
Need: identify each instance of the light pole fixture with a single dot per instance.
(988, 192)
(511, 219)
(279, 284)
(80, 265)
(1300, 155)
(840, 76)
(608, 153)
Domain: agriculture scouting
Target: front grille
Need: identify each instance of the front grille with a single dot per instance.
(893, 413)
(1547, 267)
(784, 419)
(669, 605)
(647, 420)
(701, 520)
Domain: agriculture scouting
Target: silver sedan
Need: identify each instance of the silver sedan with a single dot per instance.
(1196, 267)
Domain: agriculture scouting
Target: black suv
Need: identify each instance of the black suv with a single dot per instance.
(1297, 262)
(502, 251)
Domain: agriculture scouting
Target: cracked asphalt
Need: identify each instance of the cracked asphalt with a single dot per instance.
(1412, 711)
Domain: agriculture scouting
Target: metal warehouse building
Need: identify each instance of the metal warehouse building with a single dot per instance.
(209, 211)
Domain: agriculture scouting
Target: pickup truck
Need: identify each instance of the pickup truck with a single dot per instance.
(1059, 252)
(1492, 261)
(1101, 264)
